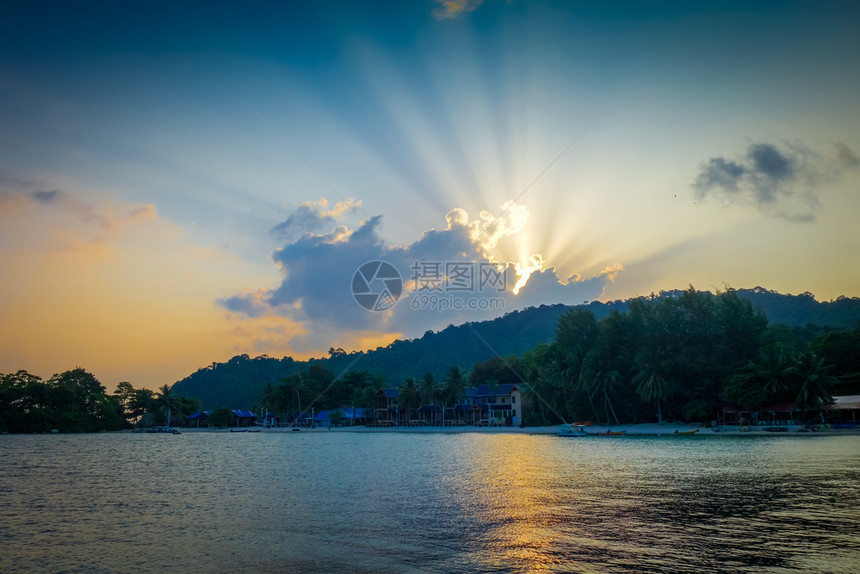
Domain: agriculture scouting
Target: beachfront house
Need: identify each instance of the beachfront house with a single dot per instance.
(243, 418)
(501, 405)
(843, 412)
(387, 408)
(198, 419)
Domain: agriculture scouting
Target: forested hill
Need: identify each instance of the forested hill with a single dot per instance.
(238, 383)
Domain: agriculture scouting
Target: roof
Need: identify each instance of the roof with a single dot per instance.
(244, 414)
(484, 390)
(390, 393)
(348, 413)
(845, 403)
(198, 415)
(780, 407)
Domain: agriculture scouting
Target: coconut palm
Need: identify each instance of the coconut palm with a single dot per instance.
(814, 381)
(454, 385)
(649, 380)
(599, 378)
(293, 386)
(772, 368)
(410, 395)
(166, 399)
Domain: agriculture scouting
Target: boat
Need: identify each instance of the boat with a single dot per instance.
(238, 430)
(163, 430)
(572, 430)
(611, 432)
(686, 432)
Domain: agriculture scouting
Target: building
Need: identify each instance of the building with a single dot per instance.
(499, 406)
(480, 406)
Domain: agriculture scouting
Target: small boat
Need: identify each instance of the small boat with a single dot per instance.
(686, 432)
(238, 430)
(572, 430)
(163, 430)
(611, 432)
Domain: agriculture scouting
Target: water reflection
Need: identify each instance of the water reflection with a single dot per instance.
(427, 503)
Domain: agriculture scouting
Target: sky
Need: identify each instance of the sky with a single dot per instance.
(185, 183)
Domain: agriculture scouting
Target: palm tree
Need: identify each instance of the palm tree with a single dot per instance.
(649, 380)
(597, 377)
(815, 381)
(429, 391)
(293, 385)
(652, 387)
(454, 386)
(166, 400)
(772, 368)
(410, 395)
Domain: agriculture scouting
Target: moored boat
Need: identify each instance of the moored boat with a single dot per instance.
(686, 432)
(611, 432)
(163, 430)
(572, 430)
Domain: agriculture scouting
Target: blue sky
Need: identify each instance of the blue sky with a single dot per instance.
(150, 160)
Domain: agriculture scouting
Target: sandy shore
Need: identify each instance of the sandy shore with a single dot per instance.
(642, 429)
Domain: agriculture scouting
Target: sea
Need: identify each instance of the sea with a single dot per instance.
(407, 502)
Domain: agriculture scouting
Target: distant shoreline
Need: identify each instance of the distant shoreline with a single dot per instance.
(641, 429)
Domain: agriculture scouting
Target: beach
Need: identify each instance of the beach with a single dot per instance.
(639, 429)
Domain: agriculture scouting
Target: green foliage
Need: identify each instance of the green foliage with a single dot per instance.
(72, 401)
(221, 417)
(336, 417)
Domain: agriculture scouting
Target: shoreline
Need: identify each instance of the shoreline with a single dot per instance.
(639, 429)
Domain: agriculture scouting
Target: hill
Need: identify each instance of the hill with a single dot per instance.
(238, 382)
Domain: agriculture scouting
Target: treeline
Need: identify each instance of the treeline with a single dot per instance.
(240, 381)
(75, 401)
(681, 358)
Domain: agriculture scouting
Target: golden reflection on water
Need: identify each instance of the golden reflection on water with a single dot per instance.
(503, 487)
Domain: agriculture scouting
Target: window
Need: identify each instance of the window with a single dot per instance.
(513, 399)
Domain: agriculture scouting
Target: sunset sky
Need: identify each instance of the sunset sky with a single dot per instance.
(181, 184)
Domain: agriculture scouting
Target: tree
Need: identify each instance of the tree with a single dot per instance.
(599, 378)
(166, 400)
(293, 386)
(336, 417)
(454, 386)
(649, 380)
(410, 395)
(221, 417)
(577, 330)
(814, 381)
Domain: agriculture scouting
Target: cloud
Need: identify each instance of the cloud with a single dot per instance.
(783, 181)
(453, 8)
(311, 217)
(448, 276)
(845, 156)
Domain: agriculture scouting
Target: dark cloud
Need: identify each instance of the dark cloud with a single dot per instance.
(845, 156)
(768, 161)
(244, 304)
(47, 196)
(784, 181)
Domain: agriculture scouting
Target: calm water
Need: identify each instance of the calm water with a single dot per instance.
(350, 502)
